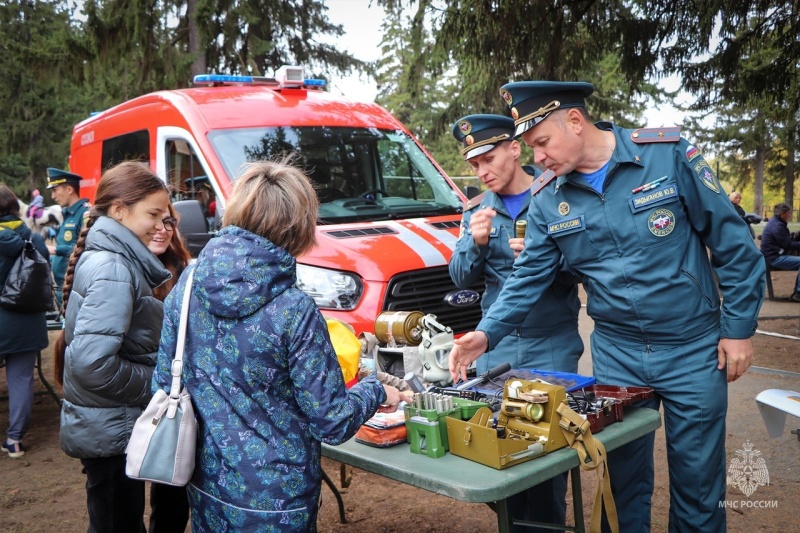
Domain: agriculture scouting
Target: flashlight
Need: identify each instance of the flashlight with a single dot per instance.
(521, 226)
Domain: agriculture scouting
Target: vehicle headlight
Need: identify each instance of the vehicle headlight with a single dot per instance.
(331, 289)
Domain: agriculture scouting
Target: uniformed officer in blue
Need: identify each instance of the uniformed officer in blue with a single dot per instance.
(65, 190)
(635, 213)
(547, 338)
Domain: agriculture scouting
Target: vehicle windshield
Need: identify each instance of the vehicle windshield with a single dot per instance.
(359, 173)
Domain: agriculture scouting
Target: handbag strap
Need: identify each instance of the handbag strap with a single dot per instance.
(177, 363)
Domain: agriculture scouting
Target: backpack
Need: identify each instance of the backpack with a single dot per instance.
(29, 285)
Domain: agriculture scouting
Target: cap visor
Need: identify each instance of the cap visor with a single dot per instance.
(478, 151)
(523, 127)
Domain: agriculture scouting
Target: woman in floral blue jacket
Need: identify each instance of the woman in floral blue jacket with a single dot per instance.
(259, 364)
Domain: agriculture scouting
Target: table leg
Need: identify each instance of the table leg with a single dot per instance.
(46, 383)
(503, 519)
(337, 495)
(577, 500)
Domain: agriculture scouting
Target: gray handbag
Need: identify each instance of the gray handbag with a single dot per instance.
(164, 438)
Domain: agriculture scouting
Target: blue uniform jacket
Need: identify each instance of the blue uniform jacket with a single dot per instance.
(68, 234)
(776, 239)
(266, 385)
(558, 308)
(643, 256)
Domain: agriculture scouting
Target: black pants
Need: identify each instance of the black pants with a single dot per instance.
(169, 509)
(115, 501)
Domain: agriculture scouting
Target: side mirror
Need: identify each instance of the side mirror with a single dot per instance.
(471, 191)
(193, 225)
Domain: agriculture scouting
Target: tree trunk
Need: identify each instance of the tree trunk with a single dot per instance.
(791, 149)
(758, 187)
(789, 186)
(196, 50)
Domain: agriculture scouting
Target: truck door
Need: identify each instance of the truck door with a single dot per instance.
(193, 192)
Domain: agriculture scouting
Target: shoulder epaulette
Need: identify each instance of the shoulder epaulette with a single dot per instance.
(540, 182)
(656, 135)
(475, 201)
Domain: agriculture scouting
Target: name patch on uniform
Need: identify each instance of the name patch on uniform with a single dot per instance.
(656, 196)
(661, 222)
(706, 175)
(565, 226)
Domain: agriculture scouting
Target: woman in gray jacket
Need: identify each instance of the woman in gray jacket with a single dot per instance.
(112, 330)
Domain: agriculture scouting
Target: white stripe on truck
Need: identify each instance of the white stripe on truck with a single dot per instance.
(425, 250)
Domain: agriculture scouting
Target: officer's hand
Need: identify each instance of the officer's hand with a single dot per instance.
(736, 354)
(51, 249)
(466, 349)
(481, 225)
(517, 245)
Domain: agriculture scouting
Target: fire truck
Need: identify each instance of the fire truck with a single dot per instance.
(389, 216)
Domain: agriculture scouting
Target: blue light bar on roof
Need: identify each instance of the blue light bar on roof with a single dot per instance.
(221, 78)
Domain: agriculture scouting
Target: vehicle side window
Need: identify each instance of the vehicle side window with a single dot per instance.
(184, 170)
(187, 180)
(133, 146)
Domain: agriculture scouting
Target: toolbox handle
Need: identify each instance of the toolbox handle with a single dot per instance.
(533, 450)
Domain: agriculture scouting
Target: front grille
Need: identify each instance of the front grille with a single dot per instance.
(424, 290)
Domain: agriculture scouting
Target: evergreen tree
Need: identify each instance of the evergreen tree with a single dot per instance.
(37, 93)
(258, 36)
(443, 63)
(129, 50)
(413, 91)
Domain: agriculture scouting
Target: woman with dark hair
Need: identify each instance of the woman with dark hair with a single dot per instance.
(111, 329)
(259, 363)
(22, 335)
(169, 506)
(167, 244)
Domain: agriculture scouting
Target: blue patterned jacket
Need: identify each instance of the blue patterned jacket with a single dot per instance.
(266, 386)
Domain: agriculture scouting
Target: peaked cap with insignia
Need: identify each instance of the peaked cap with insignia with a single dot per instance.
(197, 183)
(531, 102)
(481, 133)
(57, 177)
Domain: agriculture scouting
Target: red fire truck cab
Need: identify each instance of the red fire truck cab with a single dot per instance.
(389, 216)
